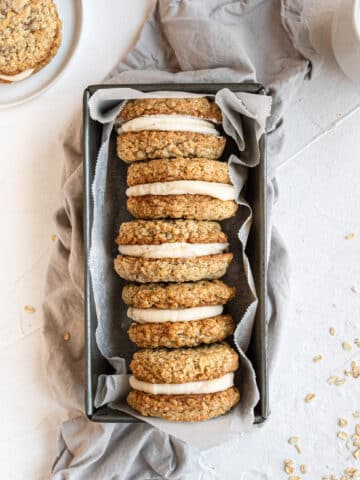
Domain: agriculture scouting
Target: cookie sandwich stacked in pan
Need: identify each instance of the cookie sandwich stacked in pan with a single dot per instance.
(183, 178)
(176, 252)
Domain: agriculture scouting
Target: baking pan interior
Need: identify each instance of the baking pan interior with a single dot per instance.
(255, 190)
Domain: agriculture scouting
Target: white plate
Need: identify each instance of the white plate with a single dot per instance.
(70, 12)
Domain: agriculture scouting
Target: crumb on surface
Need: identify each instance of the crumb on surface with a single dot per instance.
(29, 309)
(310, 397)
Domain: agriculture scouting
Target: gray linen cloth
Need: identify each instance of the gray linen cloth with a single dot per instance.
(183, 40)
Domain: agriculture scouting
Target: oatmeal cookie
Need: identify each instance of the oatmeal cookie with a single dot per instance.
(194, 107)
(198, 207)
(152, 144)
(177, 295)
(156, 232)
(181, 334)
(192, 269)
(184, 408)
(31, 36)
(184, 364)
(169, 170)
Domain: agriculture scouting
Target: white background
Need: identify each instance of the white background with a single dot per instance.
(318, 206)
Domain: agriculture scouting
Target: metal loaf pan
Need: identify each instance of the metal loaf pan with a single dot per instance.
(255, 193)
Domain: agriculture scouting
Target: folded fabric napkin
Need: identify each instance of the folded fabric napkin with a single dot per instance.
(182, 41)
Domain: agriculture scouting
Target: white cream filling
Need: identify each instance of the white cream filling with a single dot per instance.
(173, 250)
(205, 386)
(179, 123)
(222, 191)
(155, 315)
(18, 77)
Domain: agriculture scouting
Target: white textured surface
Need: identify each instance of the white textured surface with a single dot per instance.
(319, 205)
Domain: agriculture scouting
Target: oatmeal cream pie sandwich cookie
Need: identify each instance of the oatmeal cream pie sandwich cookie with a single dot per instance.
(176, 315)
(171, 251)
(169, 127)
(197, 188)
(185, 384)
(30, 37)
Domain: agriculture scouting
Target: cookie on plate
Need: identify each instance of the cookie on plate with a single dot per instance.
(196, 188)
(169, 127)
(31, 37)
(171, 251)
(178, 315)
(185, 384)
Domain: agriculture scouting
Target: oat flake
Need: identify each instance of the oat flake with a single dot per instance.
(342, 422)
(346, 346)
(350, 236)
(29, 309)
(309, 397)
(318, 358)
(293, 440)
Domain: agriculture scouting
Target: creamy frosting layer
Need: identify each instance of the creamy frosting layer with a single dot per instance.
(205, 386)
(179, 123)
(222, 191)
(18, 77)
(154, 315)
(173, 250)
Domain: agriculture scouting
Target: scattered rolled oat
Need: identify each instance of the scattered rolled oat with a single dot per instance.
(294, 477)
(303, 469)
(342, 422)
(342, 435)
(355, 440)
(350, 236)
(332, 477)
(357, 429)
(298, 449)
(357, 342)
(318, 358)
(350, 470)
(356, 414)
(332, 331)
(335, 380)
(350, 473)
(346, 346)
(29, 309)
(348, 373)
(288, 466)
(356, 454)
(293, 440)
(66, 336)
(53, 237)
(340, 381)
(353, 289)
(309, 397)
(355, 369)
